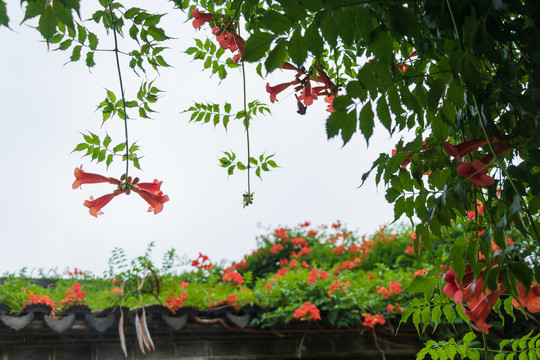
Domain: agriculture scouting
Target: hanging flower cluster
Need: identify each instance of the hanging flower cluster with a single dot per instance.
(308, 94)
(308, 311)
(150, 192)
(225, 33)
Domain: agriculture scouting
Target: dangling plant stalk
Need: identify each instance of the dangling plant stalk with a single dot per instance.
(116, 52)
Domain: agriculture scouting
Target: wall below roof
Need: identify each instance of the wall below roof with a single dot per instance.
(206, 342)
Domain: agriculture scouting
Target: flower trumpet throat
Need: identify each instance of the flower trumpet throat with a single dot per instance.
(149, 192)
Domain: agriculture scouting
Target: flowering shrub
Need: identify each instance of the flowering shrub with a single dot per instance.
(369, 281)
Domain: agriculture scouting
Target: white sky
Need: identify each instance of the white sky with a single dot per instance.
(46, 104)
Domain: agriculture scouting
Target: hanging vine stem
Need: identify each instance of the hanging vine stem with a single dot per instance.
(492, 148)
(116, 52)
(248, 196)
(505, 171)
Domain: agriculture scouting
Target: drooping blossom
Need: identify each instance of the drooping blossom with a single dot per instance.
(95, 205)
(528, 298)
(154, 200)
(308, 93)
(481, 304)
(82, 177)
(476, 173)
(201, 18)
(330, 101)
(453, 289)
(274, 90)
(150, 192)
(229, 39)
(465, 148)
(153, 187)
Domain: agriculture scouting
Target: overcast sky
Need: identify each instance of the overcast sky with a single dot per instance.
(46, 104)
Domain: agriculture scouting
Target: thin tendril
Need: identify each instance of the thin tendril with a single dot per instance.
(116, 51)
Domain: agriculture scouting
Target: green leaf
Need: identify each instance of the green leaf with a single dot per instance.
(101, 156)
(297, 47)
(436, 315)
(4, 20)
(470, 336)
(313, 40)
(416, 320)
(382, 48)
(33, 9)
(76, 53)
(293, 9)
(509, 307)
(276, 57)
(522, 272)
(119, 147)
(90, 59)
(366, 121)
(256, 46)
(81, 34)
(63, 14)
(92, 41)
(111, 96)
(81, 147)
(384, 113)
(64, 45)
(436, 90)
(106, 141)
(109, 160)
(136, 163)
(449, 313)
(241, 166)
(47, 23)
(275, 22)
(342, 121)
(439, 127)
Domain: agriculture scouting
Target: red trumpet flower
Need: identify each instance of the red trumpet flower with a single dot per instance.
(82, 177)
